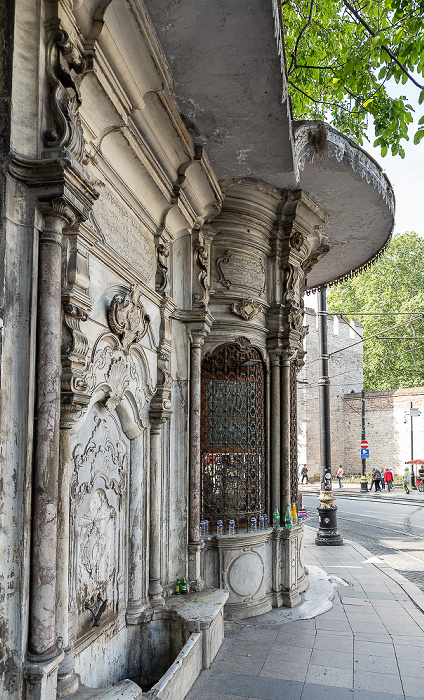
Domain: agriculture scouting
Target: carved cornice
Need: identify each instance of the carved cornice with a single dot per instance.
(127, 317)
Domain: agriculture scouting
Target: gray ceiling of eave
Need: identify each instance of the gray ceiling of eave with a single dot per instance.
(228, 84)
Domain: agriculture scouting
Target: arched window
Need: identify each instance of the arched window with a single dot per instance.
(233, 481)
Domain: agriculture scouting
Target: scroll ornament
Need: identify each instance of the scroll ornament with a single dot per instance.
(64, 62)
(247, 308)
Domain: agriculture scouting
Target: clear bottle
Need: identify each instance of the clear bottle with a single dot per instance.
(253, 526)
(288, 518)
(231, 528)
(202, 528)
(206, 524)
(276, 518)
(294, 514)
(265, 521)
(219, 528)
(261, 522)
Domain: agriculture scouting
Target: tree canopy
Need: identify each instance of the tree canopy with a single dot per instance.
(395, 283)
(341, 55)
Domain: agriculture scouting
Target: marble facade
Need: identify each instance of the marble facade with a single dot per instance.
(129, 254)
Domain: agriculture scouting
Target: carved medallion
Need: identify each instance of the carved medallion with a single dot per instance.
(247, 308)
(127, 317)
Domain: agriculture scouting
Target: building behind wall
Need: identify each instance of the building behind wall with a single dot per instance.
(346, 375)
(387, 413)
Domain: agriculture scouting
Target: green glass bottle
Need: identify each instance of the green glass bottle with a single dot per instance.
(177, 589)
(183, 586)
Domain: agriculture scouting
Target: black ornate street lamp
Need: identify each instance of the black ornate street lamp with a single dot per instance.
(328, 533)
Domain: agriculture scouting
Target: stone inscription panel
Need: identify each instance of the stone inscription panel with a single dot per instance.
(241, 271)
(126, 235)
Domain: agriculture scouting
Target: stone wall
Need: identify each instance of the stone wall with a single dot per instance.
(387, 423)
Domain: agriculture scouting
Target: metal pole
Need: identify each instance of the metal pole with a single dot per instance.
(364, 482)
(328, 533)
(413, 485)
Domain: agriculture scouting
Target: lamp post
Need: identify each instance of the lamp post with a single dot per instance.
(328, 533)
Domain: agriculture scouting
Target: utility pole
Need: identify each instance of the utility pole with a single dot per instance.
(364, 482)
(328, 533)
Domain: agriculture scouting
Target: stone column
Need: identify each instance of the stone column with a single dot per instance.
(195, 545)
(42, 638)
(136, 592)
(275, 432)
(155, 586)
(285, 434)
(67, 681)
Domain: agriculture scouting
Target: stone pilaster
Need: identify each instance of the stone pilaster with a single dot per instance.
(155, 585)
(275, 431)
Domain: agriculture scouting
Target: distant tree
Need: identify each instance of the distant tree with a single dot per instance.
(340, 56)
(394, 283)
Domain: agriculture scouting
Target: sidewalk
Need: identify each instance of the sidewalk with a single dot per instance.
(349, 489)
(368, 645)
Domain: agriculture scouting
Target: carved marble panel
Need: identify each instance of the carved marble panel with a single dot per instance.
(99, 481)
(124, 233)
(240, 272)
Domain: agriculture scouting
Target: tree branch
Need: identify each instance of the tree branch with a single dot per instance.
(293, 62)
(383, 46)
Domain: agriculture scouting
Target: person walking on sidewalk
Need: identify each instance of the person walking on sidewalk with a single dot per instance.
(382, 482)
(304, 474)
(340, 473)
(377, 479)
(407, 480)
(388, 478)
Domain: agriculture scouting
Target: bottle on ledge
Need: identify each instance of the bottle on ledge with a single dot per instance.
(276, 518)
(177, 589)
(183, 586)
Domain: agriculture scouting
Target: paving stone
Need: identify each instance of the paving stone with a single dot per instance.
(413, 687)
(333, 643)
(230, 683)
(335, 658)
(328, 675)
(366, 680)
(374, 648)
(377, 663)
(370, 695)
(290, 671)
(322, 692)
(412, 667)
(252, 665)
(276, 689)
(289, 654)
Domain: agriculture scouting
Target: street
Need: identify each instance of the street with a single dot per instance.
(391, 530)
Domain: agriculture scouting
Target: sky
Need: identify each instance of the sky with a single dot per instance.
(407, 175)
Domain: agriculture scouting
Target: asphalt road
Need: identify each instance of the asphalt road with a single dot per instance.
(392, 531)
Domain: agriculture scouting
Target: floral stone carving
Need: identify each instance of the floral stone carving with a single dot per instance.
(127, 317)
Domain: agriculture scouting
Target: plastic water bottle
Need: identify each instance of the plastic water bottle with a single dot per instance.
(288, 518)
(265, 521)
(219, 528)
(253, 527)
(261, 522)
(231, 528)
(294, 514)
(276, 518)
(202, 528)
(206, 525)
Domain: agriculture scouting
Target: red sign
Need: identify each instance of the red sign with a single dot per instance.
(364, 445)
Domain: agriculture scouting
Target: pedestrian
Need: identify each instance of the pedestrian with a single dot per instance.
(372, 478)
(340, 473)
(377, 479)
(388, 478)
(304, 474)
(407, 480)
(383, 483)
